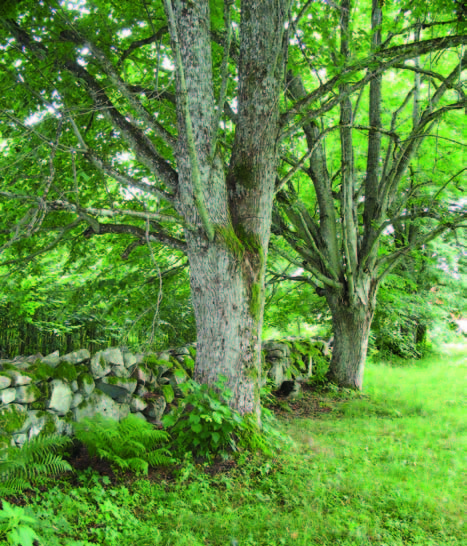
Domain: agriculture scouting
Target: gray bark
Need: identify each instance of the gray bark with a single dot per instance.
(351, 328)
(227, 273)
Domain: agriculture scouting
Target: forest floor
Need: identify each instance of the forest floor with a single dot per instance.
(382, 468)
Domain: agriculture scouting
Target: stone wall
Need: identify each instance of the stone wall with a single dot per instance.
(46, 394)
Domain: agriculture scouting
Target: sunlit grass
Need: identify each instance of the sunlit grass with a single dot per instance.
(383, 469)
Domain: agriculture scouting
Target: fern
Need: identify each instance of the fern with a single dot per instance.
(40, 456)
(131, 444)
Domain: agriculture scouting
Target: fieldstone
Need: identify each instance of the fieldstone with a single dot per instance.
(22, 366)
(124, 411)
(76, 400)
(181, 351)
(156, 407)
(140, 358)
(9, 411)
(86, 384)
(121, 371)
(163, 356)
(35, 422)
(74, 385)
(137, 404)
(17, 378)
(32, 358)
(76, 357)
(141, 390)
(124, 398)
(116, 387)
(60, 397)
(178, 376)
(5, 382)
(27, 394)
(142, 374)
(62, 427)
(139, 415)
(275, 355)
(99, 366)
(98, 403)
(7, 396)
(52, 359)
(113, 355)
(276, 374)
(269, 346)
(20, 439)
(129, 359)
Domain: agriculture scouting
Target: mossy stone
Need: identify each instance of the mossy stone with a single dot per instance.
(41, 371)
(65, 371)
(11, 418)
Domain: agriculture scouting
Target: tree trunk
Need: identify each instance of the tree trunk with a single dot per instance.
(228, 342)
(351, 326)
(227, 270)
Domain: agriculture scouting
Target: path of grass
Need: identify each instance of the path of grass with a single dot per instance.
(384, 469)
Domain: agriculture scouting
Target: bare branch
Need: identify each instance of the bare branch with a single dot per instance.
(140, 233)
(141, 43)
(59, 204)
(391, 259)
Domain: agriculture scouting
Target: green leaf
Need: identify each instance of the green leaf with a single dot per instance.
(22, 536)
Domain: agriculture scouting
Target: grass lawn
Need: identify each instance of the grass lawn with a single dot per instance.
(386, 468)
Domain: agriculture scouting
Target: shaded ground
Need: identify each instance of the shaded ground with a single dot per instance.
(311, 403)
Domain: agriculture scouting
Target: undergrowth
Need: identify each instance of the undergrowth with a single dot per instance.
(130, 444)
(381, 469)
(41, 456)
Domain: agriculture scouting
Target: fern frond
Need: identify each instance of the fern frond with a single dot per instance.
(160, 457)
(131, 444)
(38, 457)
(13, 485)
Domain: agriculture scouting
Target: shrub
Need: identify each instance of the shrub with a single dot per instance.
(206, 426)
(203, 424)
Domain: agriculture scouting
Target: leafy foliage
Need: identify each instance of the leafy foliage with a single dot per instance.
(130, 444)
(40, 456)
(204, 424)
(66, 302)
(15, 526)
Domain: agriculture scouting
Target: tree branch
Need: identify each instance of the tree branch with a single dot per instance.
(141, 43)
(395, 54)
(190, 139)
(108, 68)
(136, 138)
(138, 232)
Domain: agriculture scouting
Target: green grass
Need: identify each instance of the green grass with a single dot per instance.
(382, 469)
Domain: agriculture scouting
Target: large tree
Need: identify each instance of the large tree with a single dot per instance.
(372, 208)
(89, 85)
(116, 119)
